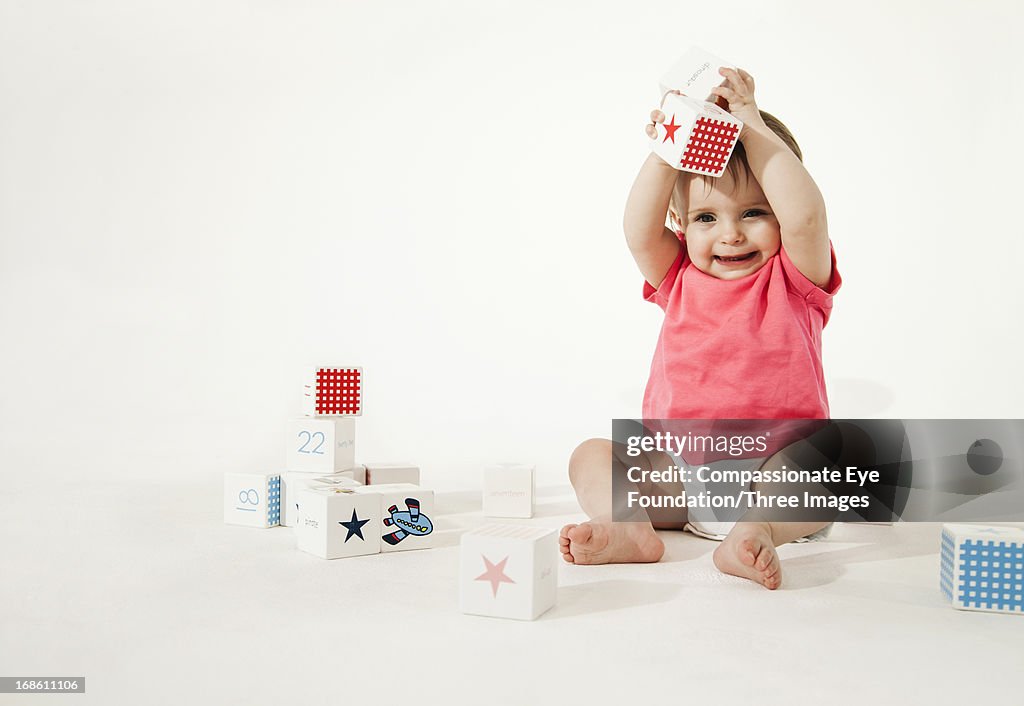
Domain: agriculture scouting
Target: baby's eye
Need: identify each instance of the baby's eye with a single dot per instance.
(753, 213)
(704, 218)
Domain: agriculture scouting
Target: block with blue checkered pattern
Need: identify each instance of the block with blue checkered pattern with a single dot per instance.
(982, 567)
(252, 499)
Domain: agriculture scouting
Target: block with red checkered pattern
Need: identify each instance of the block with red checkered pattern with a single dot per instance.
(334, 392)
(696, 136)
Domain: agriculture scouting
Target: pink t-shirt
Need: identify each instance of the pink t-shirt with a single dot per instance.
(748, 348)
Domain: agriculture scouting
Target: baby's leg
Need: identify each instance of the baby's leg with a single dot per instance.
(602, 541)
(749, 549)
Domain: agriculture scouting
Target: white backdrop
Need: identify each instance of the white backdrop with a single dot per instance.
(200, 199)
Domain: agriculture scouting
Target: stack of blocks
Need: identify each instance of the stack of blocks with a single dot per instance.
(320, 452)
(982, 568)
(507, 571)
(697, 135)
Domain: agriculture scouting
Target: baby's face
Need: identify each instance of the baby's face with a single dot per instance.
(731, 231)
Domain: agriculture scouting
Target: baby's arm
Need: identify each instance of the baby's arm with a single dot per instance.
(653, 246)
(792, 193)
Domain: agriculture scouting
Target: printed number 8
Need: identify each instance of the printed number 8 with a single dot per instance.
(309, 438)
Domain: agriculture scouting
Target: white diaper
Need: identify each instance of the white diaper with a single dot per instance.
(717, 523)
(718, 531)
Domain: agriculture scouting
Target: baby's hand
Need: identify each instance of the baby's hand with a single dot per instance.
(739, 93)
(657, 117)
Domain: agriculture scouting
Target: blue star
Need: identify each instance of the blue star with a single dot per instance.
(354, 527)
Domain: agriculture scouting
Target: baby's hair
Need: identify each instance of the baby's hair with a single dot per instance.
(738, 167)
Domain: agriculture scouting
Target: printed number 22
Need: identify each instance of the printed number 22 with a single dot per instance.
(309, 438)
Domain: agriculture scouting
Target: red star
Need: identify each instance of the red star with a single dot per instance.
(670, 130)
(495, 574)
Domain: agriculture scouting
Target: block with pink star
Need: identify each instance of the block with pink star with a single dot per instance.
(508, 571)
(696, 136)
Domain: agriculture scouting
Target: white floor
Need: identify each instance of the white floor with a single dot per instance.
(138, 586)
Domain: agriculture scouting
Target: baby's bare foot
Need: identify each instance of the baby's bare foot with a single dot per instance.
(610, 543)
(749, 552)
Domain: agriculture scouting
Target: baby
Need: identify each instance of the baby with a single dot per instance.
(746, 280)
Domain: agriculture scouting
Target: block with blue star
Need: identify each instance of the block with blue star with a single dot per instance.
(982, 567)
(508, 571)
(335, 522)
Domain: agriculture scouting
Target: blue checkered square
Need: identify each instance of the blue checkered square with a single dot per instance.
(991, 575)
(274, 501)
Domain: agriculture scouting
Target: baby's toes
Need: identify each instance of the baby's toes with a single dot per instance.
(764, 558)
(772, 582)
(747, 552)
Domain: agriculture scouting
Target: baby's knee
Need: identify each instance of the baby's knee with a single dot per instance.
(592, 454)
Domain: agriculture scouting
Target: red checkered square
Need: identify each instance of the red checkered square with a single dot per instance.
(709, 146)
(339, 391)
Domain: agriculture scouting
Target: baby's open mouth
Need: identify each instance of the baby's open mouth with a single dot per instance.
(737, 258)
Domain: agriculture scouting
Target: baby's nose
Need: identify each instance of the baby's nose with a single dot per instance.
(732, 235)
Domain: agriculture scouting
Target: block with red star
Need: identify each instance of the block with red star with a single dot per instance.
(696, 136)
(508, 571)
(334, 392)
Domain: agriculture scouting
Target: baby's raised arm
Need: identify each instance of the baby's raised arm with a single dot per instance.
(792, 193)
(654, 247)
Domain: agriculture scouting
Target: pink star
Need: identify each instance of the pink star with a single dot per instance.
(495, 574)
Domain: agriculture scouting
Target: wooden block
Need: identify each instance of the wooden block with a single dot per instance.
(321, 445)
(696, 136)
(334, 391)
(508, 571)
(386, 473)
(982, 567)
(252, 499)
(337, 522)
(694, 74)
(508, 490)
(293, 481)
(406, 513)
